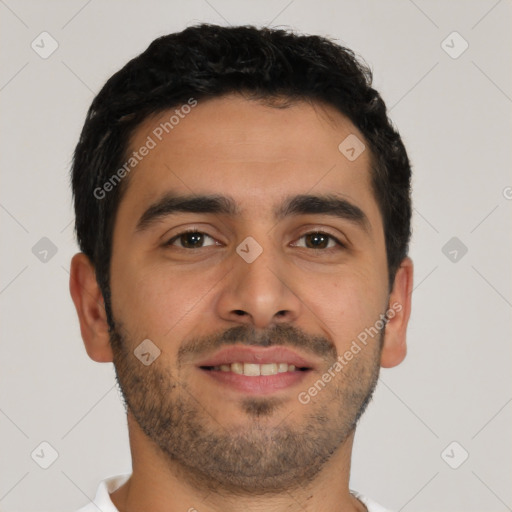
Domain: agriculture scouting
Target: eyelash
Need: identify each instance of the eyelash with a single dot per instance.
(339, 244)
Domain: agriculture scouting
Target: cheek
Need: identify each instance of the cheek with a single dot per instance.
(161, 301)
(346, 303)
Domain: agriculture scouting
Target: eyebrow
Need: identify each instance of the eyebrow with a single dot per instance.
(304, 204)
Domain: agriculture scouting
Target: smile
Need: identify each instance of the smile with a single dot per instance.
(255, 370)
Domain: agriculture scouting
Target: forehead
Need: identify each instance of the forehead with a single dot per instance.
(253, 152)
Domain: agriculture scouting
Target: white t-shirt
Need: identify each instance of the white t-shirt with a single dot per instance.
(103, 502)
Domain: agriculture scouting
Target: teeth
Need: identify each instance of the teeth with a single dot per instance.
(268, 369)
(237, 368)
(251, 369)
(255, 370)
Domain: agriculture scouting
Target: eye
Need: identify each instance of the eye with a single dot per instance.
(190, 239)
(320, 240)
(193, 239)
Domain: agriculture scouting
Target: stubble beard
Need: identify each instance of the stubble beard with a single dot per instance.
(261, 458)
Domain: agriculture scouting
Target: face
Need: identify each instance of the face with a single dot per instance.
(248, 301)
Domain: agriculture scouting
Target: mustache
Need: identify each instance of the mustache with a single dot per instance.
(279, 334)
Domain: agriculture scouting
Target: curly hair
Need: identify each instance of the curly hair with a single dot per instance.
(208, 61)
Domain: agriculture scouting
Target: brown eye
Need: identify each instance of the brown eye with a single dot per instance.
(190, 240)
(320, 240)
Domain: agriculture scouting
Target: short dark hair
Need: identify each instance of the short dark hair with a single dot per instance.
(208, 61)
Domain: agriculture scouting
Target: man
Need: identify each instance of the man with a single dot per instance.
(243, 207)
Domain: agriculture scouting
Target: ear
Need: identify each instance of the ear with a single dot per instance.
(90, 306)
(394, 348)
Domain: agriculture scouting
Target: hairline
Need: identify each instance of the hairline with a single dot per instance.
(278, 101)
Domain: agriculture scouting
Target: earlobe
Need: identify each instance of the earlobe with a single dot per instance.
(394, 348)
(90, 307)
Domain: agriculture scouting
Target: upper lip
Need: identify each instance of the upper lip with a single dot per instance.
(258, 355)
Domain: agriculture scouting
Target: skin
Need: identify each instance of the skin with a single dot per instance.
(174, 296)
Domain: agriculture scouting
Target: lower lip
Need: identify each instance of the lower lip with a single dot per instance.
(262, 385)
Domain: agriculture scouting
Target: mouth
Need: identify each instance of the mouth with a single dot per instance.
(256, 370)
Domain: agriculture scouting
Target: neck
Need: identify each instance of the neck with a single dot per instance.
(158, 485)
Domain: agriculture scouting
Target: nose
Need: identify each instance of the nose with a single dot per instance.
(259, 293)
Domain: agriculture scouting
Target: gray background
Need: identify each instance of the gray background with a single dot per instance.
(454, 116)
